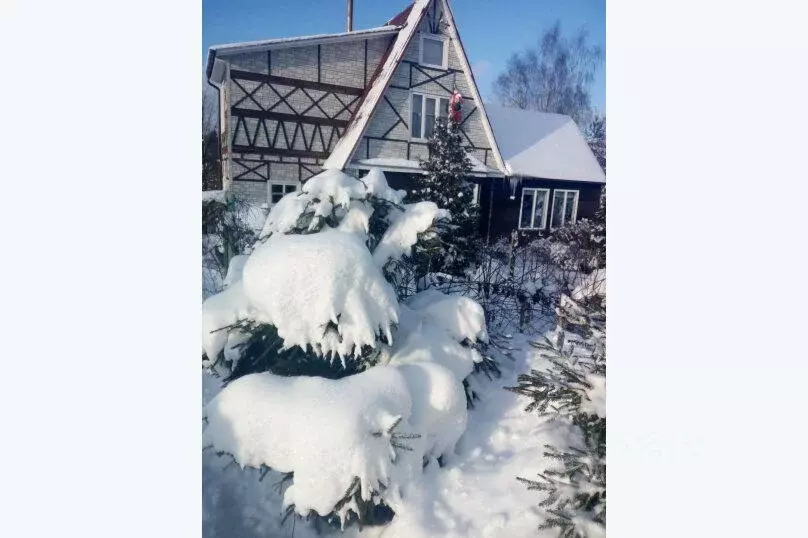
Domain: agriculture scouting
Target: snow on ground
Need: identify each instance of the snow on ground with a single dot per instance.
(218, 196)
(475, 494)
(325, 431)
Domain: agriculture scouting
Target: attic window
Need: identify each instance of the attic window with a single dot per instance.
(433, 51)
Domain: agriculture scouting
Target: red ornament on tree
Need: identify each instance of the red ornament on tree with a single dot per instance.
(455, 102)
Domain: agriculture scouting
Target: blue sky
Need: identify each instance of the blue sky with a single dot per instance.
(491, 29)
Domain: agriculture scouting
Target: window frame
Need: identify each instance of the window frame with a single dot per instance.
(475, 196)
(439, 112)
(564, 208)
(533, 208)
(288, 183)
(444, 42)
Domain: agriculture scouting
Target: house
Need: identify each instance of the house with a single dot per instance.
(369, 98)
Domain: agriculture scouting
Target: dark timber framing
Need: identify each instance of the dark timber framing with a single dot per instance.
(280, 116)
(260, 170)
(302, 83)
(435, 75)
(297, 121)
(264, 129)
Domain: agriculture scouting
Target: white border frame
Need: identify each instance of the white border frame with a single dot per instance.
(574, 209)
(435, 37)
(424, 97)
(533, 209)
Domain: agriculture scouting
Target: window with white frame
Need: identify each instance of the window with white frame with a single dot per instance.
(565, 208)
(433, 51)
(533, 211)
(424, 109)
(279, 189)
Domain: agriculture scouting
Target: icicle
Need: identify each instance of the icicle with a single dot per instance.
(513, 182)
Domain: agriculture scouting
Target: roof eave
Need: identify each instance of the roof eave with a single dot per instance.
(343, 151)
(553, 177)
(272, 44)
(494, 174)
(498, 158)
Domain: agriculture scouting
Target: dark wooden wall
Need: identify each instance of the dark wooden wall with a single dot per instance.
(495, 197)
(499, 197)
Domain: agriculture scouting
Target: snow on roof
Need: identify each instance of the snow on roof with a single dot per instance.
(543, 145)
(461, 54)
(266, 44)
(353, 132)
(401, 17)
(397, 164)
(295, 41)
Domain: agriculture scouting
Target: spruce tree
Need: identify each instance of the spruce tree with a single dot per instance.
(596, 138)
(572, 388)
(364, 208)
(258, 346)
(445, 183)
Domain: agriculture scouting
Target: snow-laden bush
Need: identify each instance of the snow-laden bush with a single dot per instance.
(520, 282)
(313, 277)
(228, 229)
(312, 299)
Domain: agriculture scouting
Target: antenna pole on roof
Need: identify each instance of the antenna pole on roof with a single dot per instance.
(350, 15)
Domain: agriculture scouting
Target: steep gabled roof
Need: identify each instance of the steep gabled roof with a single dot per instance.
(268, 44)
(296, 41)
(543, 145)
(401, 18)
(410, 18)
(461, 53)
(381, 78)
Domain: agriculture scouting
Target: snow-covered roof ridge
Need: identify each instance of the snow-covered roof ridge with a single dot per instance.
(411, 19)
(461, 54)
(353, 132)
(543, 145)
(268, 43)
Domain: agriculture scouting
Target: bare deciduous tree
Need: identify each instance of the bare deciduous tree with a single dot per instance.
(596, 138)
(554, 76)
(211, 157)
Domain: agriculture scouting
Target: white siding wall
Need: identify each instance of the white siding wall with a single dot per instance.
(384, 117)
(340, 63)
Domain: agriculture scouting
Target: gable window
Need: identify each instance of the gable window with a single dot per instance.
(424, 110)
(278, 190)
(533, 211)
(433, 51)
(565, 208)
